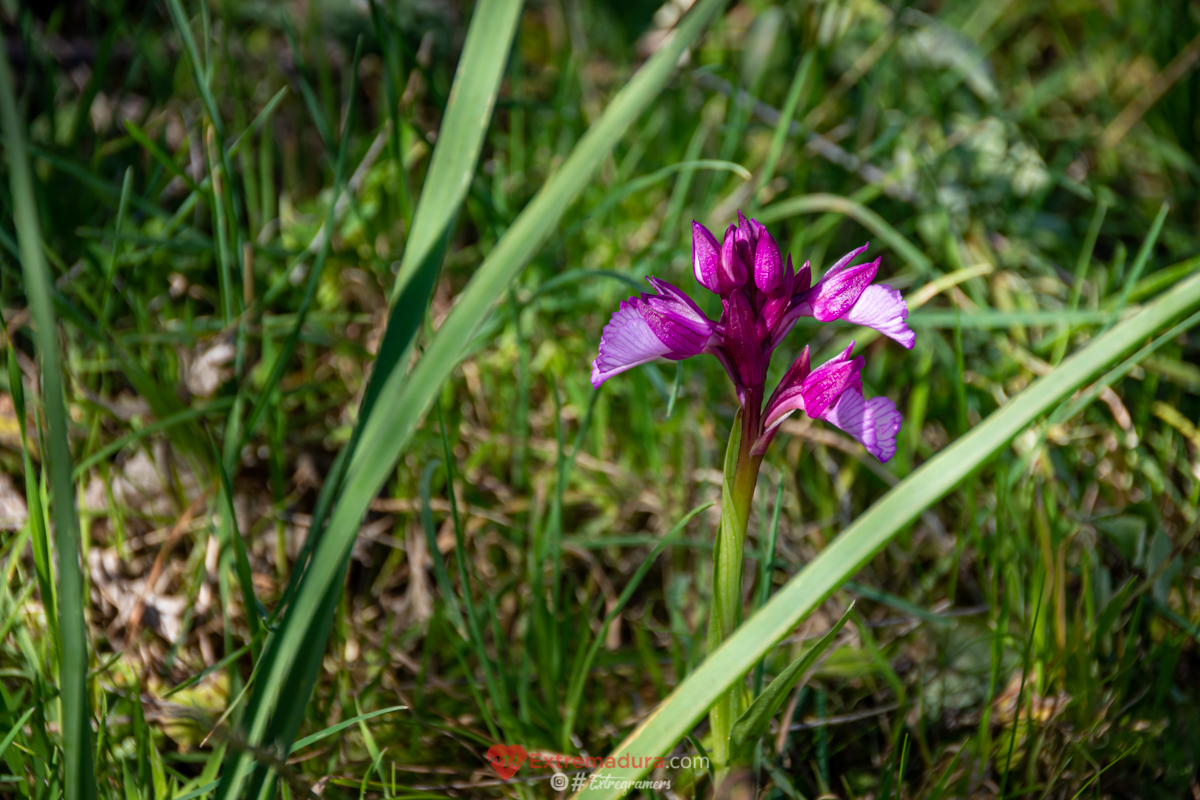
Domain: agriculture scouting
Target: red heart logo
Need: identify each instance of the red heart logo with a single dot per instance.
(506, 759)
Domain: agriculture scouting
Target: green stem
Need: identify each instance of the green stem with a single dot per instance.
(737, 492)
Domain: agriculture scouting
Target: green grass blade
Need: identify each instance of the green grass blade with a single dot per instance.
(1158, 281)
(753, 723)
(38, 535)
(79, 781)
(116, 446)
(184, 28)
(766, 572)
(820, 203)
(305, 625)
(1139, 263)
(267, 110)
(204, 673)
(198, 792)
(341, 726)
(1085, 255)
(871, 531)
(640, 184)
(441, 575)
(157, 153)
(266, 396)
(465, 577)
(468, 114)
(898, 603)
(16, 729)
(985, 319)
(784, 125)
(240, 560)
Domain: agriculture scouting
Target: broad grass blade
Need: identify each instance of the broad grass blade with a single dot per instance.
(79, 782)
(846, 554)
(305, 626)
(451, 169)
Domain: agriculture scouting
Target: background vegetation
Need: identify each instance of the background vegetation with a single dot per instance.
(224, 193)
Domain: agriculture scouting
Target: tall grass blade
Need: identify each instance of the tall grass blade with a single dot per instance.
(441, 575)
(305, 625)
(159, 155)
(1012, 741)
(240, 560)
(79, 781)
(1143, 256)
(784, 125)
(871, 531)
(467, 579)
(265, 398)
(16, 729)
(38, 535)
(468, 114)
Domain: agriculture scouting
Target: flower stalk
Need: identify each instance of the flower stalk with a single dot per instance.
(737, 494)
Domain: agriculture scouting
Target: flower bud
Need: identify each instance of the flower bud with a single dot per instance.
(734, 258)
(706, 257)
(768, 264)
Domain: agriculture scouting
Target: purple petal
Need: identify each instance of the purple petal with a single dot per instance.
(846, 259)
(873, 422)
(838, 291)
(774, 322)
(627, 342)
(756, 227)
(706, 257)
(769, 317)
(803, 280)
(646, 327)
(787, 396)
(768, 264)
(824, 384)
(745, 239)
(733, 261)
(673, 301)
(881, 307)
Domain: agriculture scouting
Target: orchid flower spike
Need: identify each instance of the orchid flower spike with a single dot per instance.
(762, 297)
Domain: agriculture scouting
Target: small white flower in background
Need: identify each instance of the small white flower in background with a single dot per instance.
(1029, 171)
(179, 284)
(13, 511)
(988, 143)
(204, 375)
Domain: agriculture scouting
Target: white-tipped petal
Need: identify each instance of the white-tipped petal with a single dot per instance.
(873, 422)
(627, 342)
(881, 307)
